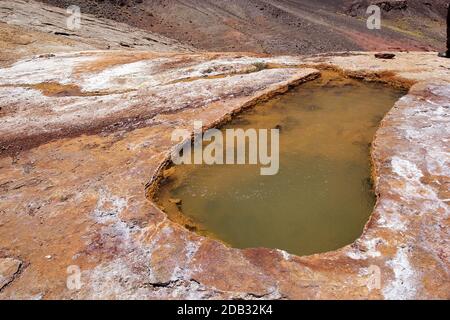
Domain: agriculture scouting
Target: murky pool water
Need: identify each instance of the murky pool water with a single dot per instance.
(321, 197)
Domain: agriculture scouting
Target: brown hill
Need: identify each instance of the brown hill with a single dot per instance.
(281, 26)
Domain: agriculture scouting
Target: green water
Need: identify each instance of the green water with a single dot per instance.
(321, 197)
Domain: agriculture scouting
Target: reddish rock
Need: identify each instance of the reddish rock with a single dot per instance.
(9, 268)
(84, 136)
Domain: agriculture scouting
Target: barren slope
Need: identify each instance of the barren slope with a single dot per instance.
(280, 26)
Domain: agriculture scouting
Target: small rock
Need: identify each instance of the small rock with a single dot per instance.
(384, 55)
(9, 267)
(48, 257)
(175, 201)
(168, 172)
(191, 228)
(46, 56)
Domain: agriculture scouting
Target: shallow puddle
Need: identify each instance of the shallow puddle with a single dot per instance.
(321, 197)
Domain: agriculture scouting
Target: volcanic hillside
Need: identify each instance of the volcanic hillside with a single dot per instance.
(280, 26)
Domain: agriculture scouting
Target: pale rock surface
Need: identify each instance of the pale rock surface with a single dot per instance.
(78, 154)
(84, 134)
(31, 28)
(9, 267)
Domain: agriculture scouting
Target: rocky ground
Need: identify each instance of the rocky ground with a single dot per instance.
(28, 27)
(107, 118)
(84, 136)
(281, 26)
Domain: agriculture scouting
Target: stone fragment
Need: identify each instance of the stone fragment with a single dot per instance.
(384, 55)
(175, 201)
(8, 269)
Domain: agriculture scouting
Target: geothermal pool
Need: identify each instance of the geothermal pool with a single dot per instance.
(321, 197)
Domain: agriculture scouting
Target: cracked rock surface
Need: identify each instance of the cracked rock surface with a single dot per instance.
(83, 133)
(9, 267)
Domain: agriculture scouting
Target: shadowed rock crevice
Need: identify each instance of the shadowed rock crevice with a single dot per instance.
(10, 269)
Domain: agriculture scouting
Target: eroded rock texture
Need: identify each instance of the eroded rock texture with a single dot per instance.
(28, 27)
(9, 268)
(83, 133)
